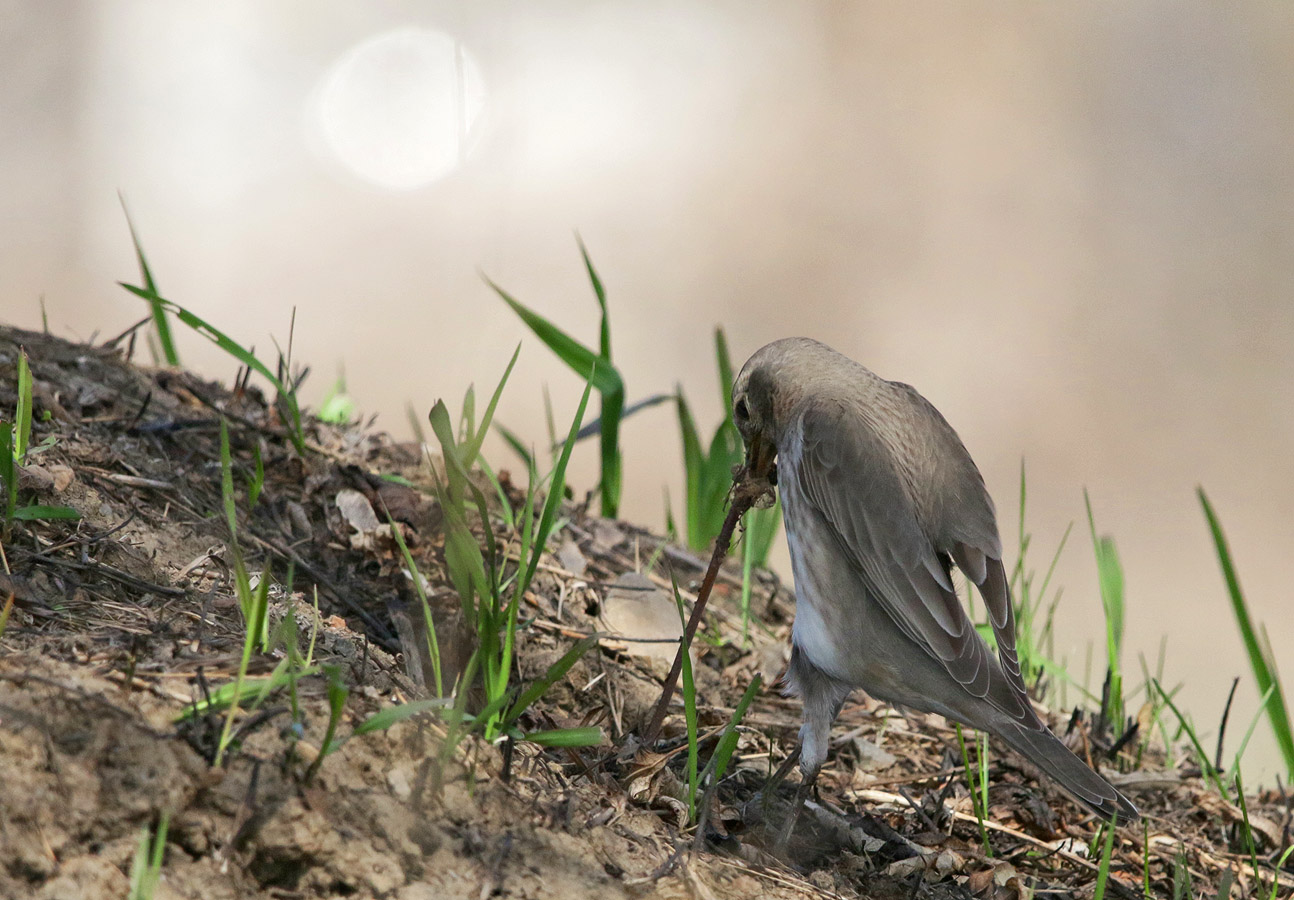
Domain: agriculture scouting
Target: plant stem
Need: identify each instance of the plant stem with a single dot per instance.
(745, 492)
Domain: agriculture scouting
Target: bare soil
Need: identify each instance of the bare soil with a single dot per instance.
(121, 621)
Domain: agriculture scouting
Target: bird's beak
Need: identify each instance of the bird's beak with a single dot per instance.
(760, 454)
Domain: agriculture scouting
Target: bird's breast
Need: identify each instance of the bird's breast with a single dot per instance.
(842, 630)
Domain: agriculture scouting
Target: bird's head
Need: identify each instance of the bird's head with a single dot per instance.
(752, 413)
(769, 389)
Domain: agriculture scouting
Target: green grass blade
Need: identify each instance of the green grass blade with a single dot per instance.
(1280, 867)
(589, 736)
(391, 715)
(257, 482)
(516, 443)
(1107, 848)
(433, 642)
(7, 473)
(22, 415)
(689, 708)
(554, 674)
(1110, 576)
(980, 812)
(41, 513)
(1206, 765)
(557, 487)
(693, 461)
(337, 694)
(725, 369)
(728, 741)
(604, 331)
(473, 446)
(234, 349)
(233, 692)
(761, 530)
(1234, 771)
(604, 377)
(149, 292)
(579, 358)
(1260, 659)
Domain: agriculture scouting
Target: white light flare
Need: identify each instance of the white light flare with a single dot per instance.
(399, 109)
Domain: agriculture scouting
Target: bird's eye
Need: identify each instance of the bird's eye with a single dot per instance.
(740, 410)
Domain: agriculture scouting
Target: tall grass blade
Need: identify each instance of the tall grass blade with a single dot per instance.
(391, 715)
(149, 292)
(585, 736)
(433, 643)
(1110, 575)
(472, 447)
(728, 741)
(693, 461)
(725, 368)
(971, 775)
(556, 488)
(1261, 659)
(689, 709)
(1107, 849)
(598, 370)
(7, 474)
(604, 329)
(42, 512)
(1206, 765)
(22, 414)
(285, 393)
(146, 869)
(554, 674)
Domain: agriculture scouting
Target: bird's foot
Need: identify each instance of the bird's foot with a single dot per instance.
(792, 816)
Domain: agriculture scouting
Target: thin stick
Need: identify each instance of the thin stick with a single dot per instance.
(745, 493)
(1222, 728)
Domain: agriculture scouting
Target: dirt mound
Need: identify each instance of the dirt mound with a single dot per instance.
(126, 623)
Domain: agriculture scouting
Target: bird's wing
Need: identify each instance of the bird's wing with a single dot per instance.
(848, 474)
(968, 530)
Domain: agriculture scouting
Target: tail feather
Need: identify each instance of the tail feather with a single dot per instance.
(1045, 750)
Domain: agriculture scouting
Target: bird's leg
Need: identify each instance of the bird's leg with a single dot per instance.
(823, 697)
(812, 752)
(793, 813)
(775, 781)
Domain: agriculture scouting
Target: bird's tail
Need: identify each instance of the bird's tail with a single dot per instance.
(1042, 748)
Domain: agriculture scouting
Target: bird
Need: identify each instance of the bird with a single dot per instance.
(880, 499)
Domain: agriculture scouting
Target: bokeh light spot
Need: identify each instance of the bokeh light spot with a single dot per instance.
(398, 110)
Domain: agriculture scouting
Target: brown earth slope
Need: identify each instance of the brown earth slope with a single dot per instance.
(121, 621)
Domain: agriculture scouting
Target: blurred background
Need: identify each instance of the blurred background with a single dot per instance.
(1070, 225)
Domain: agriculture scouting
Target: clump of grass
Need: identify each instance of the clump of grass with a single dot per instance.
(1033, 613)
(337, 406)
(977, 783)
(15, 447)
(252, 602)
(490, 594)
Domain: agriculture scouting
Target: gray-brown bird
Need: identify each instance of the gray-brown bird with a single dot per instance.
(880, 499)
